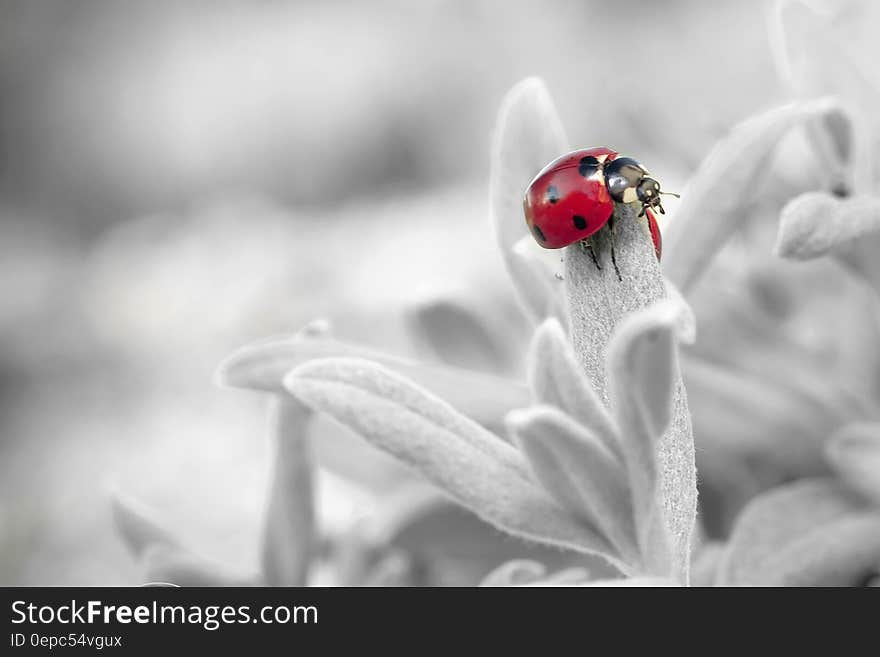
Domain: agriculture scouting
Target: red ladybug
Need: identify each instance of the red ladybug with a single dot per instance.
(574, 196)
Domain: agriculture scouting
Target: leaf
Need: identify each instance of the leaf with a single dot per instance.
(636, 582)
(642, 374)
(844, 552)
(342, 452)
(452, 546)
(598, 302)
(525, 572)
(262, 366)
(393, 570)
(816, 224)
(138, 525)
(475, 467)
(580, 472)
(776, 520)
(289, 532)
(802, 34)
(642, 365)
(686, 321)
(566, 577)
(458, 335)
(713, 202)
(528, 135)
(514, 573)
(557, 380)
(706, 561)
(180, 567)
(537, 278)
(854, 453)
(776, 425)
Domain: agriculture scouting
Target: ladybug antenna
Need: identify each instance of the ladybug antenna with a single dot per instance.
(671, 194)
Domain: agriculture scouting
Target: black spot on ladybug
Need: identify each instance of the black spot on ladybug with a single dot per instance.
(552, 194)
(588, 166)
(579, 222)
(538, 234)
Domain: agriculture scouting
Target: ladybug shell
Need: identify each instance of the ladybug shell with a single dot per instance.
(568, 200)
(656, 238)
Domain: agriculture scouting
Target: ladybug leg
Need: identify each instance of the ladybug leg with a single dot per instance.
(613, 256)
(587, 245)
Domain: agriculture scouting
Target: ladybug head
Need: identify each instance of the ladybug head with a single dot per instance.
(648, 192)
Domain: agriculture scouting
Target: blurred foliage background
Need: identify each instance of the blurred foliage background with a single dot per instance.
(177, 178)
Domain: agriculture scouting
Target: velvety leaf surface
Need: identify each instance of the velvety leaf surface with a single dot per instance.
(802, 34)
(557, 380)
(475, 467)
(528, 135)
(713, 201)
(262, 366)
(704, 569)
(817, 224)
(579, 470)
(449, 545)
(515, 573)
(636, 582)
(598, 302)
(460, 335)
(854, 453)
(537, 278)
(800, 517)
(844, 552)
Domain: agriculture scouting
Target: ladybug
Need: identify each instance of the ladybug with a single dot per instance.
(573, 197)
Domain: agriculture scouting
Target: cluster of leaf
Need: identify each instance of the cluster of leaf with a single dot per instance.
(594, 454)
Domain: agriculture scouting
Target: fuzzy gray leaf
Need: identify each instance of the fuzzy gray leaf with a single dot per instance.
(528, 135)
(802, 34)
(642, 367)
(514, 573)
(844, 552)
(816, 223)
(642, 374)
(289, 533)
(525, 572)
(431, 528)
(776, 520)
(579, 470)
(458, 335)
(854, 453)
(262, 366)
(475, 467)
(712, 202)
(704, 569)
(537, 279)
(598, 302)
(635, 582)
(556, 379)
(686, 321)
(567, 577)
